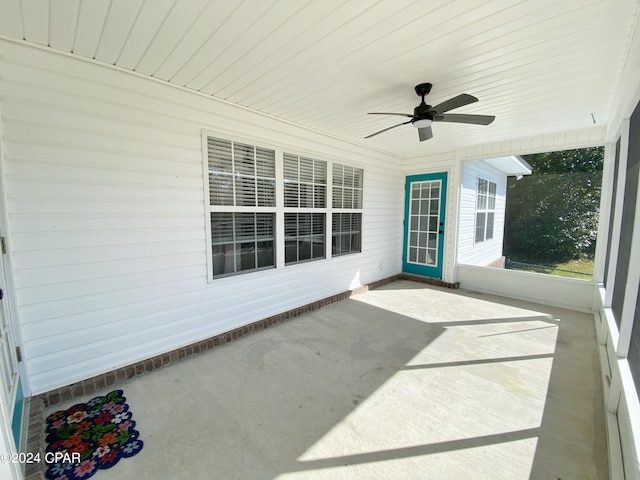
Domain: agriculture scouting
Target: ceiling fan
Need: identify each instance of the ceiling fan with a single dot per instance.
(424, 115)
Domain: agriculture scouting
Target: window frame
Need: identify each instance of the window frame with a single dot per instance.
(485, 207)
(351, 210)
(313, 211)
(235, 208)
(279, 210)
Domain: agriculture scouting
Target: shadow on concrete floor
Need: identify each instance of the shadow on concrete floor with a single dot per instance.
(405, 381)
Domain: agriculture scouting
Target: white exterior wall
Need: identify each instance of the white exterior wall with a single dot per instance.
(571, 293)
(482, 253)
(104, 181)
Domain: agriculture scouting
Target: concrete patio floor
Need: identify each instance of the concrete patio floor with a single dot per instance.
(406, 381)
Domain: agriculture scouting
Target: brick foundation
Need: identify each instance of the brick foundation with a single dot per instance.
(35, 439)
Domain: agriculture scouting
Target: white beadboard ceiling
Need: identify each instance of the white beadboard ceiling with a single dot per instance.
(539, 66)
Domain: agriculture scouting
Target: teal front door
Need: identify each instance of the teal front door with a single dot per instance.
(424, 217)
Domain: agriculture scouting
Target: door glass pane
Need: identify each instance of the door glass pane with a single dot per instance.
(424, 222)
(423, 239)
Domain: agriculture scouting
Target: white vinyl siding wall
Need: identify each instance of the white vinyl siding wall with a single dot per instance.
(105, 192)
(471, 252)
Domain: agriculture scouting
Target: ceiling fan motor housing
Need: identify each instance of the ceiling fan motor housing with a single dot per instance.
(421, 112)
(422, 117)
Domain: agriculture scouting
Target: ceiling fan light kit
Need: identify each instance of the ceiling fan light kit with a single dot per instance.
(424, 115)
(422, 123)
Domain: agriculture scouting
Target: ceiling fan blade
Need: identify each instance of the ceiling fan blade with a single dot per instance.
(387, 113)
(465, 118)
(425, 133)
(455, 102)
(388, 128)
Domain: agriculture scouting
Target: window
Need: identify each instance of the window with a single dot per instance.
(242, 187)
(305, 188)
(303, 237)
(485, 210)
(347, 187)
(305, 182)
(241, 241)
(346, 231)
(270, 209)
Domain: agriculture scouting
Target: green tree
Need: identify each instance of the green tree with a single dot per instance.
(552, 215)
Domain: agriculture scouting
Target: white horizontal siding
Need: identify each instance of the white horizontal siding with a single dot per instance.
(439, 162)
(482, 253)
(107, 238)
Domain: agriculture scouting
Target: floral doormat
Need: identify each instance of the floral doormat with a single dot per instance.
(90, 436)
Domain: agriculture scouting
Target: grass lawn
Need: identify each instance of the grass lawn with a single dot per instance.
(581, 268)
(582, 265)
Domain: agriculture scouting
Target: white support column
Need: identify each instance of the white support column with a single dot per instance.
(450, 255)
(455, 188)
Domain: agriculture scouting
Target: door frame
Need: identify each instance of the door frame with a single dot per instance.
(14, 411)
(438, 270)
